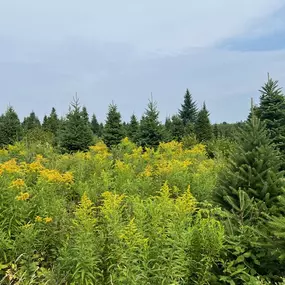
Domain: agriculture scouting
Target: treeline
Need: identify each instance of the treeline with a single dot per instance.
(76, 131)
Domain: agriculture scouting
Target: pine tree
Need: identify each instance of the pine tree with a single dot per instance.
(150, 132)
(113, 130)
(51, 123)
(203, 128)
(95, 126)
(272, 111)
(188, 111)
(85, 115)
(254, 168)
(177, 128)
(10, 127)
(76, 134)
(133, 129)
(31, 122)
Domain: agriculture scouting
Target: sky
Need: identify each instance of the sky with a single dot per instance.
(124, 51)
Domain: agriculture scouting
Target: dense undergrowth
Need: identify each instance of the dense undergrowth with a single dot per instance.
(126, 216)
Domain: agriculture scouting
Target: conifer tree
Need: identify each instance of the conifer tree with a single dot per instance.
(113, 130)
(133, 129)
(272, 111)
(203, 128)
(31, 122)
(95, 126)
(254, 168)
(76, 134)
(10, 127)
(177, 128)
(188, 112)
(85, 115)
(51, 123)
(150, 132)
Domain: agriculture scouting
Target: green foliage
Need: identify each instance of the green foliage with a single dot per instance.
(254, 167)
(51, 123)
(188, 112)
(95, 126)
(113, 130)
(31, 122)
(133, 129)
(76, 133)
(272, 111)
(150, 131)
(10, 127)
(203, 128)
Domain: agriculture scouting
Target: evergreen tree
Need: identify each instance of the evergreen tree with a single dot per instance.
(188, 111)
(254, 168)
(95, 126)
(51, 123)
(31, 122)
(113, 130)
(10, 127)
(177, 128)
(272, 111)
(85, 115)
(76, 134)
(150, 132)
(216, 131)
(133, 129)
(203, 128)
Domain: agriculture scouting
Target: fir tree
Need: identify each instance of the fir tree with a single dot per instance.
(51, 123)
(76, 134)
(272, 111)
(85, 115)
(188, 111)
(254, 168)
(10, 127)
(203, 128)
(113, 130)
(133, 129)
(177, 128)
(150, 132)
(31, 122)
(95, 126)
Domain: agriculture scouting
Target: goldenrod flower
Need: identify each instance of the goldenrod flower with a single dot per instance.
(18, 183)
(48, 220)
(38, 219)
(23, 196)
(11, 166)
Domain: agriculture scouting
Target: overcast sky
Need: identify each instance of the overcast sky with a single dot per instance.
(123, 50)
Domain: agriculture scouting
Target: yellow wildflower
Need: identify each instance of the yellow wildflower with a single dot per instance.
(18, 183)
(147, 171)
(99, 147)
(1, 171)
(23, 196)
(35, 166)
(48, 220)
(67, 178)
(52, 175)
(11, 166)
(38, 219)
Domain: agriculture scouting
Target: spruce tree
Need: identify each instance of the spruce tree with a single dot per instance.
(177, 128)
(188, 112)
(10, 127)
(31, 122)
(95, 126)
(272, 111)
(254, 168)
(133, 129)
(113, 130)
(85, 115)
(51, 123)
(150, 132)
(76, 133)
(203, 128)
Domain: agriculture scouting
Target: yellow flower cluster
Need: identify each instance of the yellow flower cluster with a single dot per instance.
(23, 196)
(18, 183)
(99, 147)
(10, 166)
(52, 175)
(46, 219)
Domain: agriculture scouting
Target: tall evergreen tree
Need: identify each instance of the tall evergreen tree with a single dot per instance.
(113, 130)
(31, 122)
(51, 123)
(85, 115)
(150, 132)
(203, 128)
(133, 128)
(254, 168)
(76, 134)
(272, 111)
(10, 127)
(95, 126)
(188, 112)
